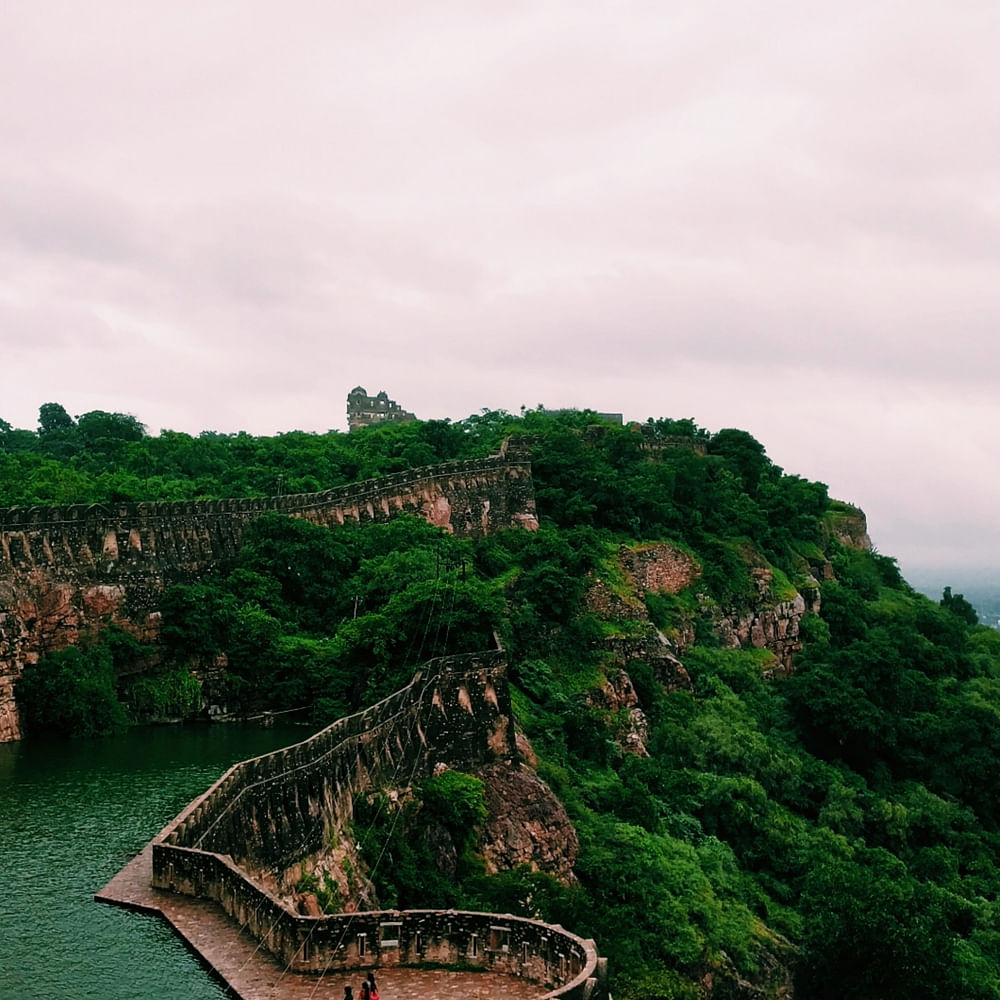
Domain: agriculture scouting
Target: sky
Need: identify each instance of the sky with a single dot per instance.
(782, 217)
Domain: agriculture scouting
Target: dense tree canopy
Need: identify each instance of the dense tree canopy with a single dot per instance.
(837, 827)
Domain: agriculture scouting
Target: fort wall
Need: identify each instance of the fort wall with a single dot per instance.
(265, 814)
(466, 498)
(75, 568)
(456, 711)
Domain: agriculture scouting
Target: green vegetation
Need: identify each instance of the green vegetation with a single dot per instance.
(101, 457)
(168, 695)
(838, 826)
(71, 692)
(324, 887)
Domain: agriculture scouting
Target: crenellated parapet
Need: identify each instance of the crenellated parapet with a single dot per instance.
(468, 499)
(455, 711)
(75, 568)
(266, 813)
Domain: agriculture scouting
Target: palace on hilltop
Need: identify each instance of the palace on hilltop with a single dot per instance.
(363, 410)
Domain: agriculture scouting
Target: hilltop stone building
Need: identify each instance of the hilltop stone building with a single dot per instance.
(363, 410)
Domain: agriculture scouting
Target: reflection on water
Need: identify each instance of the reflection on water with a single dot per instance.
(71, 815)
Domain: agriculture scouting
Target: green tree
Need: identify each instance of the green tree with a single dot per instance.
(959, 606)
(745, 454)
(57, 430)
(873, 932)
(71, 692)
(197, 620)
(309, 563)
(108, 433)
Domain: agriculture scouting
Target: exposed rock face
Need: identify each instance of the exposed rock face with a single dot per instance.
(660, 567)
(603, 601)
(767, 624)
(43, 609)
(775, 628)
(656, 650)
(850, 528)
(308, 905)
(762, 623)
(618, 697)
(526, 824)
(336, 865)
(10, 727)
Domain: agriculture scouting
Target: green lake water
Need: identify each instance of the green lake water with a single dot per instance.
(71, 815)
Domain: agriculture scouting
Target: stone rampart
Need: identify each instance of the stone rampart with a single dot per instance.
(455, 711)
(74, 568)
(265, 814)
(466, 498)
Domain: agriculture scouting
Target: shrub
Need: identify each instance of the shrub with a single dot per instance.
(71, 693)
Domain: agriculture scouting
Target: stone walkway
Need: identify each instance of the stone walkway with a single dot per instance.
(253, 973)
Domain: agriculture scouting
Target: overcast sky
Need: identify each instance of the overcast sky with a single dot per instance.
(781, 216)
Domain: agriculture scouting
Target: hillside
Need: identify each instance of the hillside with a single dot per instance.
(774, 760)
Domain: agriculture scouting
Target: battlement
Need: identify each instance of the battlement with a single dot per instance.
(455, 711)
(266, 813)
(78, 567)
(351, 500)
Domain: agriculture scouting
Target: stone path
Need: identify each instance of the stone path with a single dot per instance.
(253, 973)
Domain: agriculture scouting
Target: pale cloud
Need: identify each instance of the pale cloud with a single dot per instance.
(782, 217)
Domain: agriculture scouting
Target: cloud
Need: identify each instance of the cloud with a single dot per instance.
(776, 217)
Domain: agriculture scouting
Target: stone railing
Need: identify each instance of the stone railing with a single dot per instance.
(349, 495)
(266, 814)
(566, 965)
(455, 711)
(109, 541)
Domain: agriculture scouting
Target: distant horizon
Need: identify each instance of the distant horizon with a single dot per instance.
(952, 575)
(980, 588)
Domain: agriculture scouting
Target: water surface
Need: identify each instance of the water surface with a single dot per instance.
(71, 815)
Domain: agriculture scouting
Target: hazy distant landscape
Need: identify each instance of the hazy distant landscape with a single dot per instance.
(982, 591)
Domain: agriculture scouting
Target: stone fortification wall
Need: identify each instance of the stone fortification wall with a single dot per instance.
(568, 966)
(265, 814)
(466, 498)
(64, 570)
(268, 813)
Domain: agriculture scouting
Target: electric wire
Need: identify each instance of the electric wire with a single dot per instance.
(433, 609)
(351, 738)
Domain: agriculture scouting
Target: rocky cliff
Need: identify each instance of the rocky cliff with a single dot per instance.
(768, 618)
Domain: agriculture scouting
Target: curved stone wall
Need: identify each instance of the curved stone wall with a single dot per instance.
(269, 812)
(265, 814)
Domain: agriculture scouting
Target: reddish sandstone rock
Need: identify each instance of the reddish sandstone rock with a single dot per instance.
(308, 905)
(526, 825)
(618, 697)
(850, 528)
(659, 567)
(603, 601)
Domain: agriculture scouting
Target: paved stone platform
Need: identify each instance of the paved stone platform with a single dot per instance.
(253, 973)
